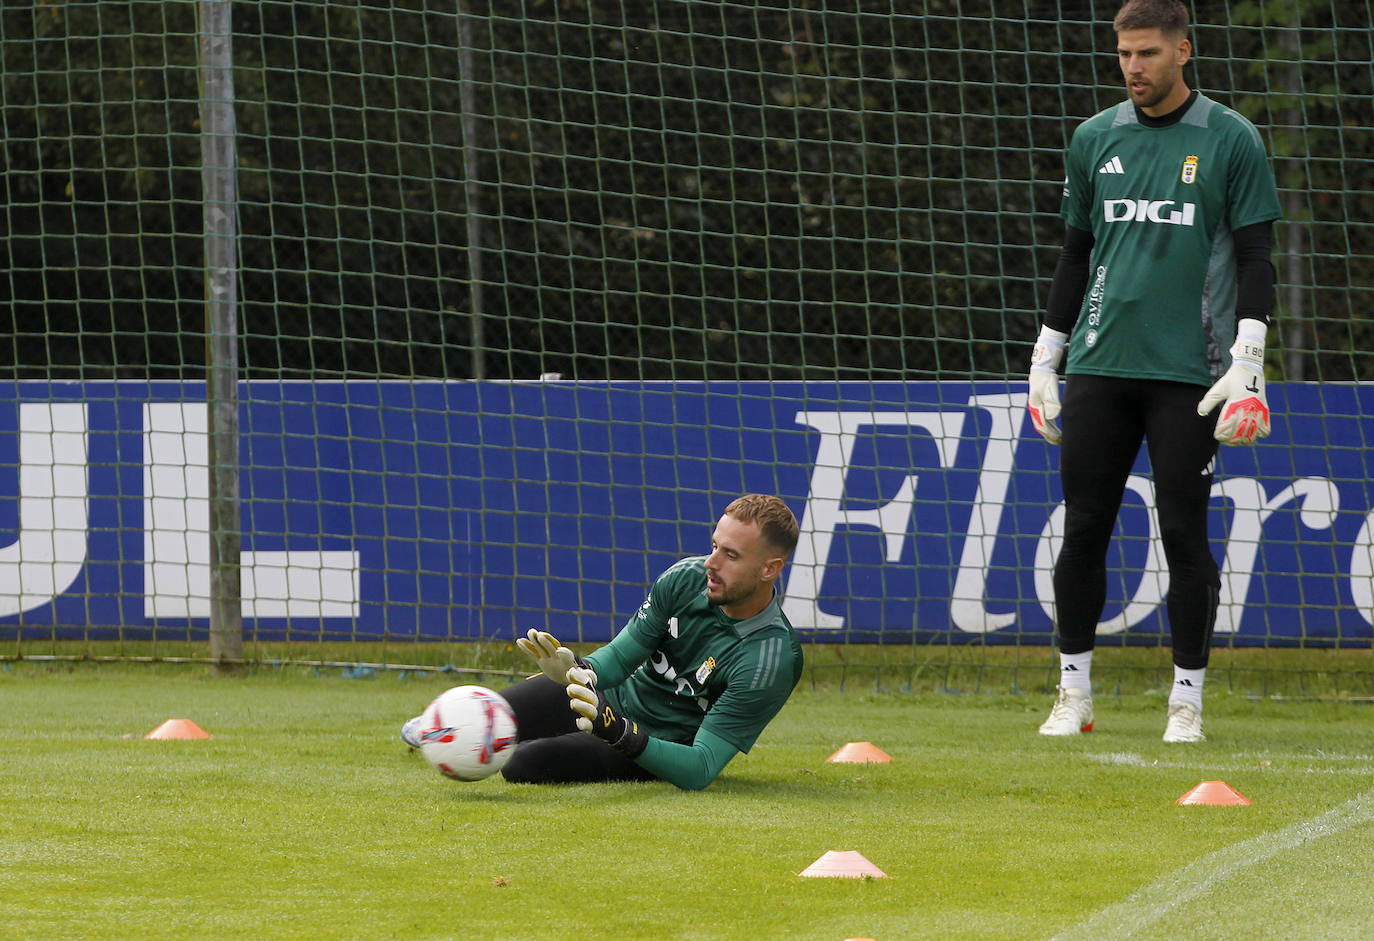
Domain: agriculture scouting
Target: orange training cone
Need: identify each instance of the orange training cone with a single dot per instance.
(178, 728)
(1216, 793)
(860, 753)
(848, 864)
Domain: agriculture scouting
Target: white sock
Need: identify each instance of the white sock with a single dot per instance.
(1188, 686)
(1075, 671)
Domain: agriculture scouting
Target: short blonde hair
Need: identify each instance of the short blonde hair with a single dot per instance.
(772, 516)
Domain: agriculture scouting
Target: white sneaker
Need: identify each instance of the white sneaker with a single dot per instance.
(410, 732)
(1072, 713)
(1185, 723)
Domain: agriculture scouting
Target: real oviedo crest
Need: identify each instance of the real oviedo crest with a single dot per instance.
(1189, 174)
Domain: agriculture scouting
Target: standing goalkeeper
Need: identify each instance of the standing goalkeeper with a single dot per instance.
(688, 683)
(1162, 298)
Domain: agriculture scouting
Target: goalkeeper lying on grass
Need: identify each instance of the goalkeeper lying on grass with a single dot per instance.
(690, 681)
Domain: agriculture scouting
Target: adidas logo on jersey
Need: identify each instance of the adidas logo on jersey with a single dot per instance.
(1112, 166)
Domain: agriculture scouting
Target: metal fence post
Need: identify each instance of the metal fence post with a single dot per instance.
(219, 199)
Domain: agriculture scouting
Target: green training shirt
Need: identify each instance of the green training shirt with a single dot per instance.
(681, 664)
(1161, 203)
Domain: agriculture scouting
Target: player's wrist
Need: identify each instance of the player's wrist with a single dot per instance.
(632, 741)
(1248, 350)
(1049, 349)
(597, 716)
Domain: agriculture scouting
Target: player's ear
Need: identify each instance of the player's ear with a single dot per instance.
(772, 568)
(1185, 51)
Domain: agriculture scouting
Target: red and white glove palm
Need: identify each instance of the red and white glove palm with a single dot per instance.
(1043, 403)
(1240, 392)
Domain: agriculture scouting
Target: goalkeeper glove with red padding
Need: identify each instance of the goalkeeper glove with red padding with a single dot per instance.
(1043, 403)
(597, 716)
(1245, 412)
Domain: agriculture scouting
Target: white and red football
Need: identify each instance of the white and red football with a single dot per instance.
(467, 733)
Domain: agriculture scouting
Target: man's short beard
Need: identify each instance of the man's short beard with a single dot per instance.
(1153, 95)
(720, 601)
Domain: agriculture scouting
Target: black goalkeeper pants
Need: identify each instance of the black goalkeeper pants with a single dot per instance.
(551, 749)
(1104, 421)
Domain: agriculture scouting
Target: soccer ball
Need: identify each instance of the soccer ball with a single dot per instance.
(467, 733)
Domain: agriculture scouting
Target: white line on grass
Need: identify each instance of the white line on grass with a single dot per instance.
(1131, 759)
(1136, 913)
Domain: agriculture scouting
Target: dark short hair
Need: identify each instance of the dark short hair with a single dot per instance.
(772, 516)
(1168, 16)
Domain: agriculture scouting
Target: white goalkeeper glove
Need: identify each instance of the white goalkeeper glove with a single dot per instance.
(1043, 403)
(596, 716)
(583, 697)
(1245, 414)
(554, 660)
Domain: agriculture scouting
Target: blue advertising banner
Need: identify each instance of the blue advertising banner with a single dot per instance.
(475, 510)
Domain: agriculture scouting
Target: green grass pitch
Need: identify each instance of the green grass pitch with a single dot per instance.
(305, 817)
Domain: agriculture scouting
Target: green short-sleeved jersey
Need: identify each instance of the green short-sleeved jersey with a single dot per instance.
(706, 670)
(1161, 203)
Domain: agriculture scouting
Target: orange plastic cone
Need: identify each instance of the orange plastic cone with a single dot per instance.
(860, 753)
(847, 864)
(1216, 793)
(178, 728)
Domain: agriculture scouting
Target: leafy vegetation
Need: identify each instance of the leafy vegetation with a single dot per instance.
(690, 190)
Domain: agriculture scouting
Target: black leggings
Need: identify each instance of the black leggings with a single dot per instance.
(1104, 421)
(552, 749)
